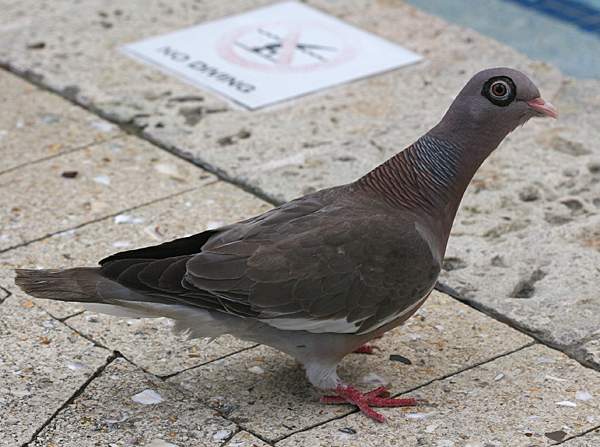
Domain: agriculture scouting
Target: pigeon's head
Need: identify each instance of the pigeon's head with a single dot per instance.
(506, 94)
(493, 103)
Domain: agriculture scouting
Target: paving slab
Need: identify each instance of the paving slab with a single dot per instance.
(534, 397)
(12, 86)
(39, 124)
(266, 393)
(42, 364)
(149, 343)
(529, 210)
(245, 439)
(210, 205)
(588, 352)
(591, 439)
(126, 407)
(86, 185)
(269, 148)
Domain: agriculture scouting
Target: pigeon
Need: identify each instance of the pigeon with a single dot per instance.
(321, 275)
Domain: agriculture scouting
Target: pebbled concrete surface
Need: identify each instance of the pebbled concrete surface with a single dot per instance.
(245, 439)
(529, 398)
(60, 202)
(282, 150)
(148, 343)
(124, 406)
(40, 125)
(42, 364)
(151, 343)
(591, 439)
(524, 245)
(208, 204)
(253, 386)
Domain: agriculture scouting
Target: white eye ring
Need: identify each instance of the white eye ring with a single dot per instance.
(500, 90)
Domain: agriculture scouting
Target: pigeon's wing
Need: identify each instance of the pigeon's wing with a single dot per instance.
(327, 272)
(304, 266)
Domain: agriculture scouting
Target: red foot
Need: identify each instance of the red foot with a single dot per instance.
(379, 397)
(365, 349)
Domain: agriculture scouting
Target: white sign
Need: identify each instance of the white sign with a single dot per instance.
(271, 54)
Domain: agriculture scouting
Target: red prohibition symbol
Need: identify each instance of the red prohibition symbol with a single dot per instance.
(285, 47)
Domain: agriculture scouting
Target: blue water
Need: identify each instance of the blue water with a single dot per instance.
(565, 33)
(592, 3)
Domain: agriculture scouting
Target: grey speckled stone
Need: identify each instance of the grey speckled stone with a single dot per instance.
(591, 439)
(111, 177)
(532, 397)
(36, 124)
(282, 150)
(109, 412)
(149, 343)
(245, 439)
(207, 206)
(42, 364)
(589, 352)
(524, 224)
(266, 392)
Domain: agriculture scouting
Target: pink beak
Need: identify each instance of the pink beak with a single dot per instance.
(543, 107)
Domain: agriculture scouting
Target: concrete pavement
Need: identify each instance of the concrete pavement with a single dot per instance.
(77, 187)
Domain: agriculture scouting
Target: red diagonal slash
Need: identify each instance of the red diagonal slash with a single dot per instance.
(289, 43)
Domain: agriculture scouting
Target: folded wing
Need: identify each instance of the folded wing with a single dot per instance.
(308, 265)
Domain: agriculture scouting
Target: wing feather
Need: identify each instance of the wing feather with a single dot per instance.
(313, 264)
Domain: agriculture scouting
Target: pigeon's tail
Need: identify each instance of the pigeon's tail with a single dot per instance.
(85, 285)
(77, 284)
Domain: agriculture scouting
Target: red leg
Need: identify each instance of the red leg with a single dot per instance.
(367, 348)
(379, 397)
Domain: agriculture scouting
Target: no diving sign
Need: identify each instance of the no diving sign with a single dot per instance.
(271, 54)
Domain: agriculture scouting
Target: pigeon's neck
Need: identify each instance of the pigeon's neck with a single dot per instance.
(428, 178)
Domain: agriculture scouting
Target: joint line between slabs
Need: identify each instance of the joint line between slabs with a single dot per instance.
(64, 319)
(102, 218)
(415, 388)
(241, 429)
(253, 434)
(84, 336)
(74, 396)
(569, 351)
(226, 417)
(66, 152)
(236, 431)
(138, 131)
(579, 435)
(7, 293)
(170, 375)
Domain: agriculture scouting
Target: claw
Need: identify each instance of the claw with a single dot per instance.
(379, 397)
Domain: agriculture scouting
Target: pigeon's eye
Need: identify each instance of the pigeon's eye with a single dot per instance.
(500, 91)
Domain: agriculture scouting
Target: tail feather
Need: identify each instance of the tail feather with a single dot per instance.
(100, 294)
(77, 284)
